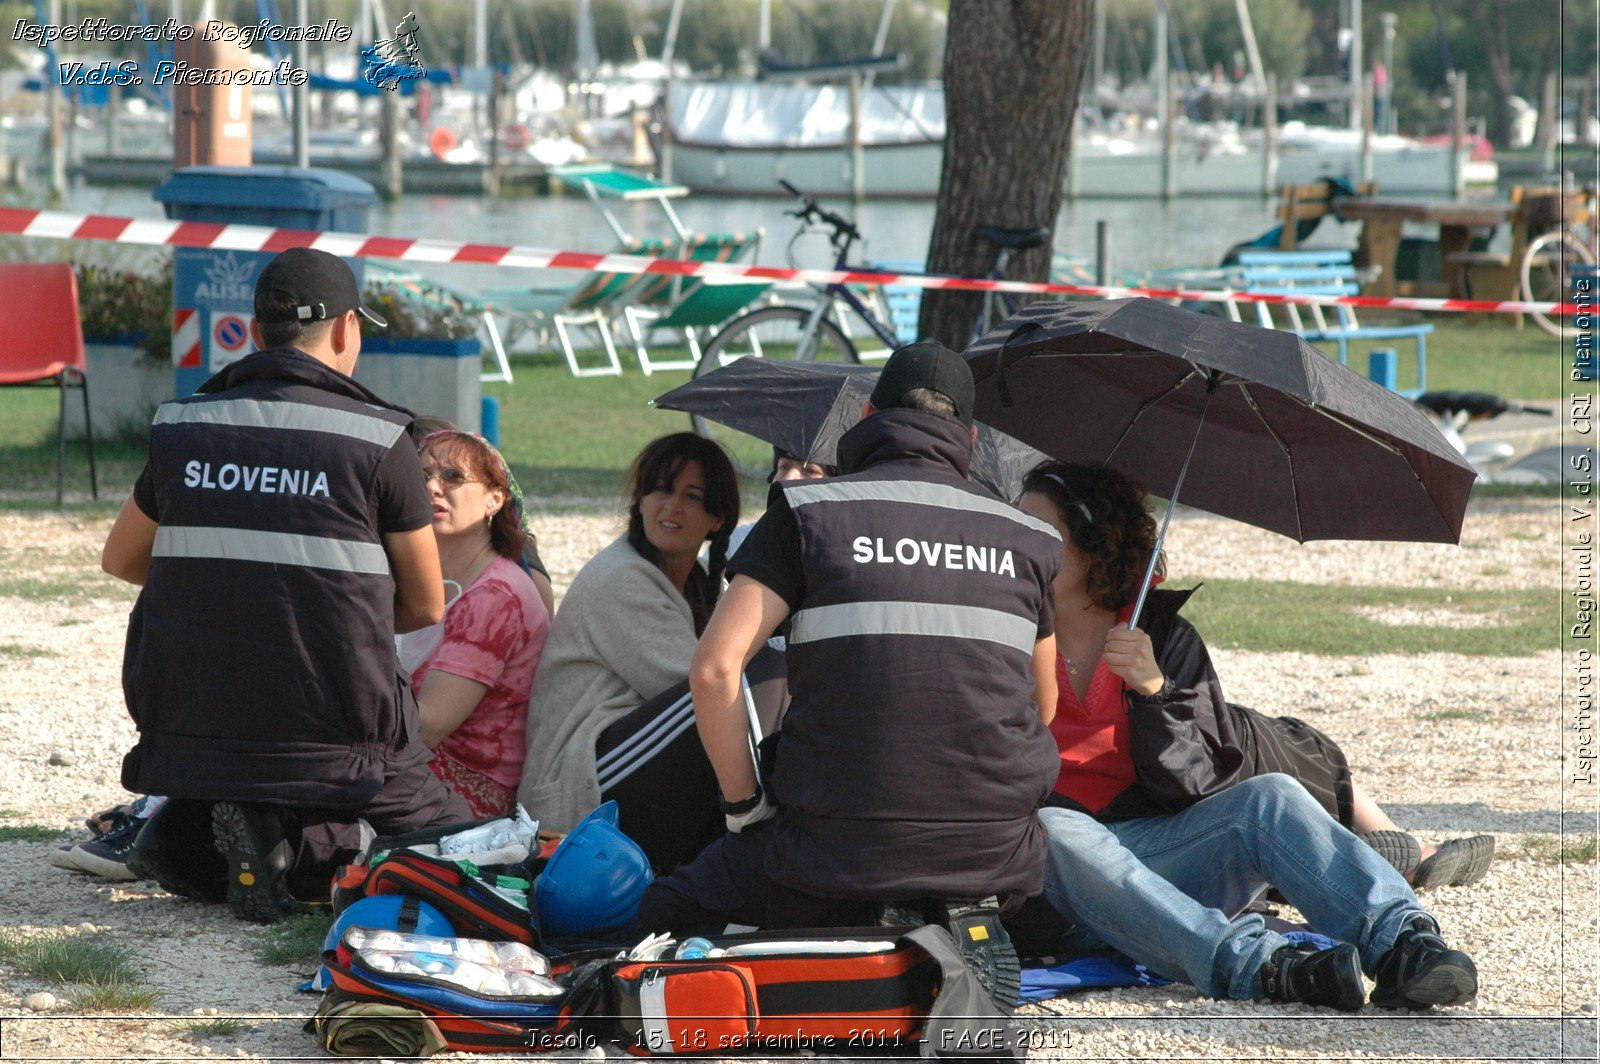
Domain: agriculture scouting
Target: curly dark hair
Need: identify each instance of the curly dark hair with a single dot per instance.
(1106, 517)
(474, 457)
(660, 463)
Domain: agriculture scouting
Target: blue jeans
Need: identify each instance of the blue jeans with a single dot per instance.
(1167, 890)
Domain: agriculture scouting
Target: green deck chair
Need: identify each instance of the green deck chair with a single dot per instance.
(690, 305)
(590, 304)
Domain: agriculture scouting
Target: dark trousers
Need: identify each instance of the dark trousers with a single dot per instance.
(652, 764)
(321, 840)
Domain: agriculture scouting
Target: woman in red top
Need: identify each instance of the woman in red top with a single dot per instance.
(1141, 720)
(473, 671)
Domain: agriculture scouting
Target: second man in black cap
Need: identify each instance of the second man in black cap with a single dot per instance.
(921, 660)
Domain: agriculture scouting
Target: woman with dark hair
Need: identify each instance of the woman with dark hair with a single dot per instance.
(1142, 723)
(1174, 809)
(474, 669)
(611, 716)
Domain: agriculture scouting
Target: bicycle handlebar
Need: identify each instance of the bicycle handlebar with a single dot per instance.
(811, 210)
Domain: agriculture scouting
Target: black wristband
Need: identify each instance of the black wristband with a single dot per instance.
(743, 805)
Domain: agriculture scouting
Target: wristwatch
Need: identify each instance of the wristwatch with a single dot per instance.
(743, 805)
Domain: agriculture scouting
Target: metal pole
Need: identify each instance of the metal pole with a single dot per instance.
(1172, 502)
(858, 177)
(1458, 133)
(58, 169)
(665, 162)
(1161, 83)
(393, 175)
(1102, 252)
(1072, 154)
(763, 27)
(1549, 116)
(302, 92)
(1169, 136)
(669, 44)
(1357, 62)
(1390, 22)
(1367, 91)
(1269, 137)
(1097, 53)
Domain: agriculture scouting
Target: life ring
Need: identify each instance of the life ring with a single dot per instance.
(517, 137)
(442, 141)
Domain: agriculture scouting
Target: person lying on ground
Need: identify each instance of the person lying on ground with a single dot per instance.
(281, 534)
(921, 661)
(474, 670)
(1192, 742)
(1158, 842)
(610, 716)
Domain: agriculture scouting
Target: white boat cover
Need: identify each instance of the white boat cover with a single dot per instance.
(749, 114)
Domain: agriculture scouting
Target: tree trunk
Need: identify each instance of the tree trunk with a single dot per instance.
(1492, 17)
(1012, 73)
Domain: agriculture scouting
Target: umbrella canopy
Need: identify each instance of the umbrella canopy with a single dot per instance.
(1283, 437)
(804, 408)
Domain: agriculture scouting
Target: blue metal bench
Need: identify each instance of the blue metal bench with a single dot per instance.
(1321, 273)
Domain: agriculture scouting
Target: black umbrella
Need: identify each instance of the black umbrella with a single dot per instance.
(803, 408)
(1280, 435)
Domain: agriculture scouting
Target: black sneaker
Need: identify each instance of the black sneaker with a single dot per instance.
(1302, 973)
(107, 856)
(251, 837)
(1421, 971)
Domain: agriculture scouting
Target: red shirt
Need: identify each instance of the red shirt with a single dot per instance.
(494, 633)
(1092, 736)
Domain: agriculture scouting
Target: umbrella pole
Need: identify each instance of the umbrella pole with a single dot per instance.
(1172, 502)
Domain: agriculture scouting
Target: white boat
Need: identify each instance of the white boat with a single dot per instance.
(740, 138)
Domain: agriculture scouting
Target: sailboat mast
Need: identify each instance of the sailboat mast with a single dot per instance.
(1253, 51)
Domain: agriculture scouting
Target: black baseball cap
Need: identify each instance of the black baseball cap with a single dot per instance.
(926, 364)
(322, 286)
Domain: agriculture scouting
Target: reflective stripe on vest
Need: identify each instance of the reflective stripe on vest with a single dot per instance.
(256, 414)
(913, 618)
(277, 548)
(917, 492)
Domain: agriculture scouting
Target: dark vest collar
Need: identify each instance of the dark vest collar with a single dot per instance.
(292, 364)
(911, 440)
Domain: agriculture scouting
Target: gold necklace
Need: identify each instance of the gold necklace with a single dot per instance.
(1072, 666)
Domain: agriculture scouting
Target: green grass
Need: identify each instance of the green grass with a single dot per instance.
(568, 437)
(211, 1027)
(1320, 619)
(103, 995)
(297, 941)
(13, 650)
(1457, 714)
(76, 588)
(32, 833)
(67, 958)
(1581, 849)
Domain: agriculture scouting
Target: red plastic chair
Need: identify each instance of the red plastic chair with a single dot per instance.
(41, 342)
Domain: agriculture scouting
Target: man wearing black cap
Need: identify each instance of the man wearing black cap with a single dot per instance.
(281, 532)
(921, 661)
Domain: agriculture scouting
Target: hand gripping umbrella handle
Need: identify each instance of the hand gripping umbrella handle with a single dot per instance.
(1212, 380)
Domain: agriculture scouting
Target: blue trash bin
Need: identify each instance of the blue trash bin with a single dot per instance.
(213, 289)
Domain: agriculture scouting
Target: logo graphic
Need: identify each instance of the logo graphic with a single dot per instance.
(228, 280)
(388, 62)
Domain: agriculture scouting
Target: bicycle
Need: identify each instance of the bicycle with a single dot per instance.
(1548, 263)
(819, 331)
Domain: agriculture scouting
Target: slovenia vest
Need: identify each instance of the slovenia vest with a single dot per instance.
(260, 659)
(912, 759)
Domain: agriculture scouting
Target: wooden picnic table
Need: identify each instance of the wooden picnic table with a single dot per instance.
(1379, 243)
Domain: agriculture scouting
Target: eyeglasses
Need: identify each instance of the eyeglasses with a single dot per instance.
(450, 478)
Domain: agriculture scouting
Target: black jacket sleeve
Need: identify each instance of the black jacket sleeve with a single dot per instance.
(1183, 740)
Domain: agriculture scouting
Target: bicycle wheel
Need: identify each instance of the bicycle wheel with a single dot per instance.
(770, 332)
(1547, 275)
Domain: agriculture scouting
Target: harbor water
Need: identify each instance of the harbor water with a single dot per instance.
(1146, 235)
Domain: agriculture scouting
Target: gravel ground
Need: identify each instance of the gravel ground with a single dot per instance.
(1450, 744)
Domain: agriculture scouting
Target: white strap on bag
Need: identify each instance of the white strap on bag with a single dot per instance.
(653, 1011)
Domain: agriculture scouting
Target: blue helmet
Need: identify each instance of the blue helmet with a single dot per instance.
(391, 912)
(593, 882)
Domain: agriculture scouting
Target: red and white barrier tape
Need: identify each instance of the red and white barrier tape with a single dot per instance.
(65, 226)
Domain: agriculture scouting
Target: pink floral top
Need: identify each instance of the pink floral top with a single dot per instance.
(494, 633)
